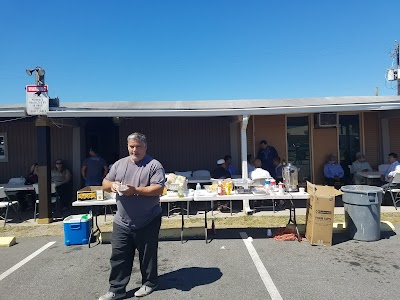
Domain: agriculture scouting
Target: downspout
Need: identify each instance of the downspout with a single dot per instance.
(243, 138)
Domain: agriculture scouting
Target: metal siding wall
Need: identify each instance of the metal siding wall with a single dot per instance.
(372, 138)
(250, 137)
(21, 139)
(61, 145)
(181, 144)
(394, 135)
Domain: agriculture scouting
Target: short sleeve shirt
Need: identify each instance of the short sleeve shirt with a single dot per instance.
(94, 168)
(137, 211)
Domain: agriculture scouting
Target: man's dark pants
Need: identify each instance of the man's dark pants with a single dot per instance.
(124, 241)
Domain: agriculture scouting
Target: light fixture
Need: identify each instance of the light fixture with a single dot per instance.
(39, 75)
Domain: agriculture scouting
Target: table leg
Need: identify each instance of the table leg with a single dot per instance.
(292, 218)
(183, 222)
(230, 206)
(187, 208)
(94, 231)
(205, 221)
(168, 206)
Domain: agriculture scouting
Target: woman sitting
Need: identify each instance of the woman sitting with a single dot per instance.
(62, 178)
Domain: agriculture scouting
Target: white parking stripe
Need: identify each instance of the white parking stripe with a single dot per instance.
(25, 260)
(266, 278)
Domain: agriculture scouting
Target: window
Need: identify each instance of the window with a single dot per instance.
(3, 147)
(349, 139)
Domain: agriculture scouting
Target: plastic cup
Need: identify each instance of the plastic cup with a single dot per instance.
(301, 190)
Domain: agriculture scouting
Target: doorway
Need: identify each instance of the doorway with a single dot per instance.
(103, 135)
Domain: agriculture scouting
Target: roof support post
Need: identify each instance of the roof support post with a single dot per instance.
(44, 167)
(243, 139)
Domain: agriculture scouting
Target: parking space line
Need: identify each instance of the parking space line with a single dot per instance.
(25, 260)
(266, 278)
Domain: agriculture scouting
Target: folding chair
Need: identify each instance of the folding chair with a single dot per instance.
(393, 189)
(54, 198)
(6, 203)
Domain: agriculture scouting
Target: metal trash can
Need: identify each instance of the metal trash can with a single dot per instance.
(362, 206)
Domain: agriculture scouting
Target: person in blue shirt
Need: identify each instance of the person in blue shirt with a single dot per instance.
(393, 168)
(267, 154)
(333, 171)
(94, 169)
(229, 166)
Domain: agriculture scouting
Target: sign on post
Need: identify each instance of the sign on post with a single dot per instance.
(37, 100)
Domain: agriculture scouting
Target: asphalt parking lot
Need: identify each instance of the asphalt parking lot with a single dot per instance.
(229, 267)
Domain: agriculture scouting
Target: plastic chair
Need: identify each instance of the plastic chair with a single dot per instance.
(6, 203)
(54, 199)
(392, 188)
(351, 169)
(186, 174)
(201, 173)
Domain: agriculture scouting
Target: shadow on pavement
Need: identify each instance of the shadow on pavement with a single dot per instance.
(185, 279)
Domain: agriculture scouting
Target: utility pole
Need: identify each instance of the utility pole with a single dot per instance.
(397, 66)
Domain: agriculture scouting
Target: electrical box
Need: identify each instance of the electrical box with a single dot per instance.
(392, 74)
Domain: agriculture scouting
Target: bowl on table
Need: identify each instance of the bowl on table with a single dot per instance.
(258, 190)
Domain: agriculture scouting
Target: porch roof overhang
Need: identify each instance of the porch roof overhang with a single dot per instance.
(225, 107)
(12, 111)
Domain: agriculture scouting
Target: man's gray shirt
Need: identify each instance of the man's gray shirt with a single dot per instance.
(137, 211)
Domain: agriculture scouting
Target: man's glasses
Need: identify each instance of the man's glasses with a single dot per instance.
(58, 163)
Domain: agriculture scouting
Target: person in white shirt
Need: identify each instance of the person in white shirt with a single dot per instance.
(393, 168)
(360, 165)
(258, 171)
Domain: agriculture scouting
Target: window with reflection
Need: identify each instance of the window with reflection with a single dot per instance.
(298, 141)
(3, 147)
(349, 140)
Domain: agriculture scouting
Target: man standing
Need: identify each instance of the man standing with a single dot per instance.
(139, 181)
(94, 169)
(267, 154)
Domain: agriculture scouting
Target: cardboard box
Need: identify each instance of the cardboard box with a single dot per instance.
(90, 193)
(320, 214)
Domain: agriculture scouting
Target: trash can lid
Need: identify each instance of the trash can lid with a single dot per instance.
(361, 189)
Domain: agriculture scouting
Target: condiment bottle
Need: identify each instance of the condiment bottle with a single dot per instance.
(219, 188)
(267, 186)
(273, 184)
(280, 188)
(198, 186)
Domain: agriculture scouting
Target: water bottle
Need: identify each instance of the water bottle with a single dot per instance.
(198, 186)
(266, 186)
(269, 232)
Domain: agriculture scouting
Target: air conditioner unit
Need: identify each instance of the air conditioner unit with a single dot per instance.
(325, 120)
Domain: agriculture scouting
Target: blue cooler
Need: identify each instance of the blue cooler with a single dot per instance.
(77, 229)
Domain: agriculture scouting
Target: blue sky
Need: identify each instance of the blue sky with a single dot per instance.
(197, 50)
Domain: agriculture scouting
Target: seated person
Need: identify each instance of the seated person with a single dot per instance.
(62, 178)
(360, 165)
(392, 170)
(220, 172)
(258, 171)
(333, 171)
(278, 169)
(250, 164)
(27, 199)
(229, 166)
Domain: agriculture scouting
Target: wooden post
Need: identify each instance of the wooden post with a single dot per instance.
(44, 169)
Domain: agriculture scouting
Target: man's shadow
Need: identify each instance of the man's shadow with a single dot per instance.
(185, 279)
